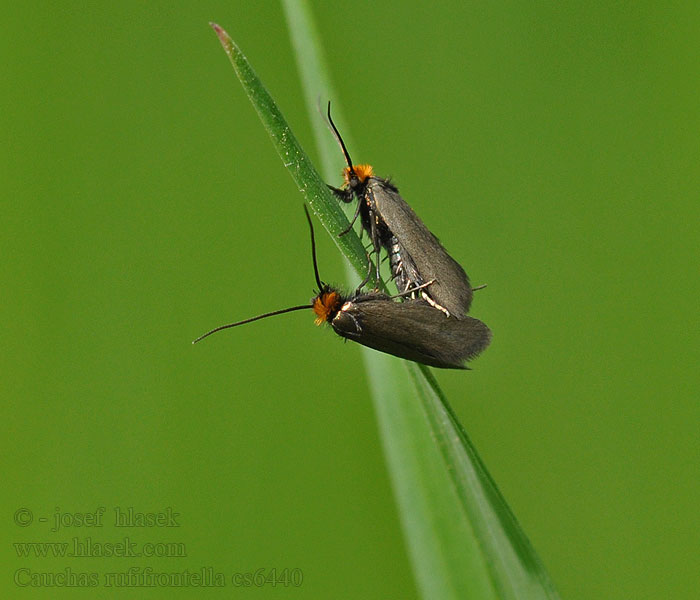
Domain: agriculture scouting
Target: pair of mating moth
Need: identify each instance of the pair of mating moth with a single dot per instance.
(429, 325)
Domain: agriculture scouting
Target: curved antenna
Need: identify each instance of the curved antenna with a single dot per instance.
(313, 250)
(270, 314)
(339, 139)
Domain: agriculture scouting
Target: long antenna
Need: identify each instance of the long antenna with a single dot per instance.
(313, 250)
(339, 139)
(270, 314)
(284, 310)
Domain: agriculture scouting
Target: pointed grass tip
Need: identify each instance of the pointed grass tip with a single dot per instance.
(224, 37)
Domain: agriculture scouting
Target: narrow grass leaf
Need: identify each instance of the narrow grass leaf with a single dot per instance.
(462, 539)
(305, 175)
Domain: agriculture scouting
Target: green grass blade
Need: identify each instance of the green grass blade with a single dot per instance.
(514, 568)
(462, 539)
(302, 170)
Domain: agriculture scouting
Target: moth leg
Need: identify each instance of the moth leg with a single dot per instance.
(341, 194)
(357, 214)
(415, 289)
(358, 328)
(374, 236)
(434, 304)
(365, 281)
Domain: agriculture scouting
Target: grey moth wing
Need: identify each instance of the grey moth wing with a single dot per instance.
(413, 330)
(451, 289)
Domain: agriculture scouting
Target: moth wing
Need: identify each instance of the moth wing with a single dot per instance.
(451, 289)
(413, 330)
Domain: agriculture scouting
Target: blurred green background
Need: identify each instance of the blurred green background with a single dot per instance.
(553, 147)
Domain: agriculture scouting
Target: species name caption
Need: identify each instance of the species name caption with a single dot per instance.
(88, 543)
